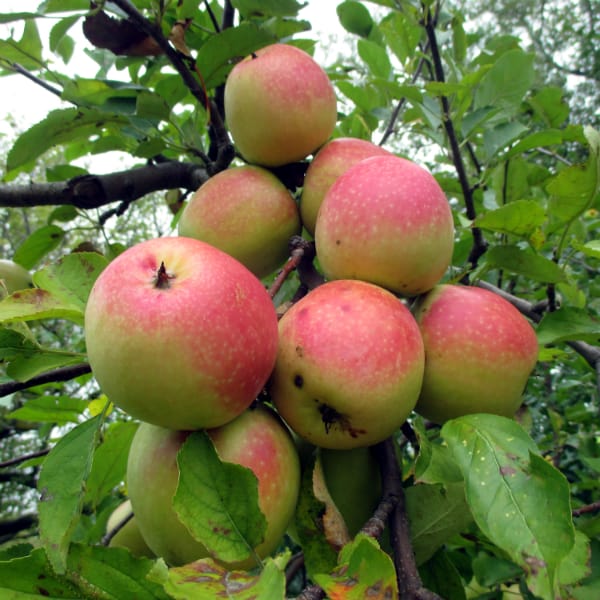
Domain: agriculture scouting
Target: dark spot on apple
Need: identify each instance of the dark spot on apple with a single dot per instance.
(345, 308)
(338, 242)
(299, 351)
(332, 418)
(298, 381)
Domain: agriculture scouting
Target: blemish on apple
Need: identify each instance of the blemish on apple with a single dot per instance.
(298, 381)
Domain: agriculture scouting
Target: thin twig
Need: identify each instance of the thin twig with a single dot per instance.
(61, 374)
(23, 458)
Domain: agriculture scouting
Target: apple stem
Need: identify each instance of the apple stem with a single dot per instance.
(163, 279)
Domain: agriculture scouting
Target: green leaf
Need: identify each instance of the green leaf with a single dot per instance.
(440, 575)
(51, 409)
(110, 461)
(355, 18)
(27, 52)
(59, 126)
(216, 55)
(267, 8)
(112, 573)
(539, 139)
(459, 38)
(496, 139)
(575, 188)
(518, 500)
(566, 324)
(58, 31)
(307, 528)
(70, 280)
(436, 514)
(508, 81)
(364, 571)
(206, 580)
(40, 360)
(576, 564)
(520, 218)
(152, 106)
(62, 487)
(549, 104)
(435, 463)
(218, 501)
(33, 577)
(401, 33)
(524, 262)
(38, 244)
(35, 304)
(375, 57)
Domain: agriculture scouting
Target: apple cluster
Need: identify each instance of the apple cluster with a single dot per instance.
(182, 335)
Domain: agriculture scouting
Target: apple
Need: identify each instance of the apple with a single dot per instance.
(349, 365)
(279, 105)
(257, 439)
(331, 161)
(479, 353)
(354, 483)
(180, 334)
(248, 213)
(14, 276)
(387, 221)
(129, 535)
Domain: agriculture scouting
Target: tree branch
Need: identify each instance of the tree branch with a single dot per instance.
(25, 457)
(11, 527)
(93, 191)
(479, 243)
(62, 374)
(225, 152)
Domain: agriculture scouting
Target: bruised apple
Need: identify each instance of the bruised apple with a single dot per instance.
(180, 334)
(279, 105)
(387, 221)
(257, 439)
(248, 213)
(349, 365)
(480, 352)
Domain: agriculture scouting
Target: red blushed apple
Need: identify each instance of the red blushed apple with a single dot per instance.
(180, 334)
(279, 105)
(331, 161)
(257, 439)
(387, 221)
(479, 353)
(349, 365)
(246, 212)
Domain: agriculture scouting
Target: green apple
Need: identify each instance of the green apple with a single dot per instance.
(354, 483)
(129, 535)
(349, 365)
(331, 161)
(387, 221)
(14, 276)
(257, 439)
(479, 353)
(279, 105)
(246, 212)
(180, 334)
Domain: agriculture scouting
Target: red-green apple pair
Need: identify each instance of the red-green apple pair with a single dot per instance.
(387, 221)
(256, 439)
(279, 105)
(248, 213)
(180, 334)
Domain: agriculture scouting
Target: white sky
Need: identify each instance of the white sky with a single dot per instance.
(28, 103)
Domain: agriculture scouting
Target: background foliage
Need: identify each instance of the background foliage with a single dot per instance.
(500, 104)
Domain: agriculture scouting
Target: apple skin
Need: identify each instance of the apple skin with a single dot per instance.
(129, 535)
(15, 276)
(349, 365)
(279, 105)
(331, 161)
(479, 353)
(387, 221)
(191, 355)
(257, 439)
(354, 483)
(248, 213)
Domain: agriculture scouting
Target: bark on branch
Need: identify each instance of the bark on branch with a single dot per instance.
(93, 191)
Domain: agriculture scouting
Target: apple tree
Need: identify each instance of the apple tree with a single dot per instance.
(394, 395)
